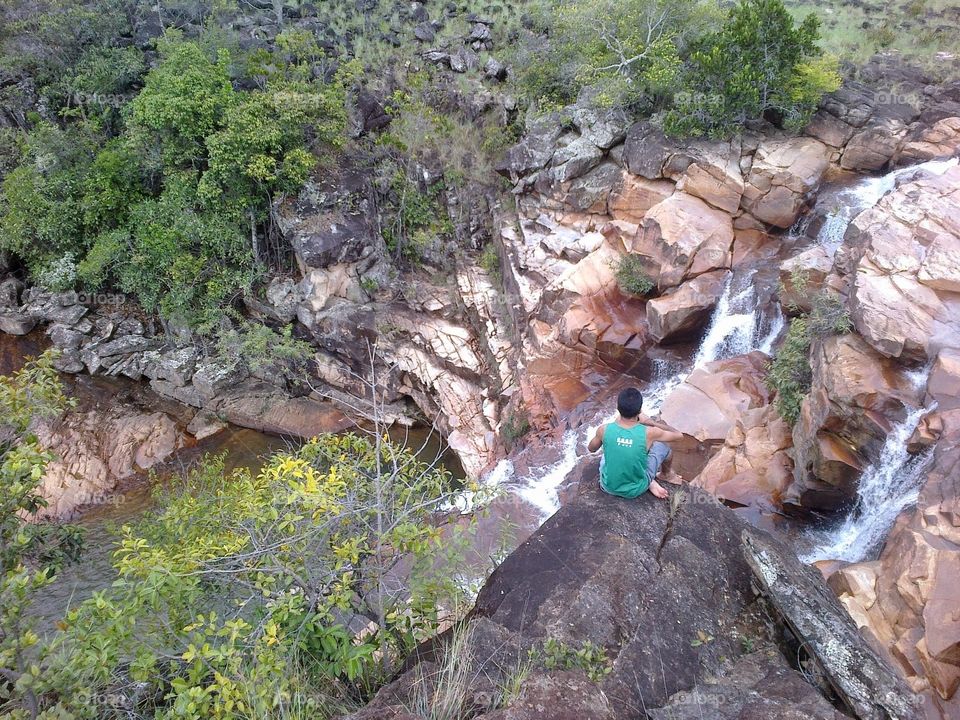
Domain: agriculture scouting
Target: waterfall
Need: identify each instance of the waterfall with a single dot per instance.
(738, 325)
(847, 203)
(887, 487)
(543, 491)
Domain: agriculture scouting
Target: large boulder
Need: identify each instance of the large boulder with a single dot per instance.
(802, 277)
(783, 177)
(331, 220)
(874, 146)
(856, 394)
(96, 449)
(940, 140)
(753, 466)
(534, 150)
(711, 171)
(646, 150)
(680, 313)
(712, 400)
(264, 407)
(902, 261)
(665, 596)
(633, 197)
(943, 385)
(682, 237)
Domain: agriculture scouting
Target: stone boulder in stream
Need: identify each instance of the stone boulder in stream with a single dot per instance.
(98, 448)
(901, 260)
(710, 402)
(856, 394)
(665, 591)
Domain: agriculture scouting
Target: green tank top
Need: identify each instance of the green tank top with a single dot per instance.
(624, 470)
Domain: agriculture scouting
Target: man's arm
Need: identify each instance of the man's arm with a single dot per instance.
(658, 433)
(596, 442)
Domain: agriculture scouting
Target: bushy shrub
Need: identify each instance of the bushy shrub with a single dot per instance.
(789, 374)
(259, 346)
(622, 50)
(233, 600)
(758, 63)
(589, 657)
(632, 278)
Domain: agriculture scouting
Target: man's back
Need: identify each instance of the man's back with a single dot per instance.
(624, 470)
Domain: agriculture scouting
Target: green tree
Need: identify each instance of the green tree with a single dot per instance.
(184, 99)
(176, 208)
(759, 63)
(237, 598)
(31, 552)
(623, 49)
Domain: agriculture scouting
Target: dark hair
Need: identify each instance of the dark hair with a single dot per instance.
(629, 403)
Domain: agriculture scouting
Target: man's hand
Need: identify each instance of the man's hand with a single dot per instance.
(658, 490)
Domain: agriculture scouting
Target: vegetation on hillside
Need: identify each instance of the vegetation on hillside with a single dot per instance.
(703, 70)
(790, 374)
(293, 592)
(917, 29)
(175, 208)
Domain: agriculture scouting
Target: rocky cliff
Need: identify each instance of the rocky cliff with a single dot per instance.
(660, 593)
(546, 325)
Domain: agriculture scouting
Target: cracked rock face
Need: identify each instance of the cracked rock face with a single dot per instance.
(97, 449)
(782, 179)
(902, 262)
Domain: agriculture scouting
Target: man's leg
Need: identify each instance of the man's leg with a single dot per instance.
(657, 455)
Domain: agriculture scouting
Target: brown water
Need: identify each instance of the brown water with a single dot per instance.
(241, 448)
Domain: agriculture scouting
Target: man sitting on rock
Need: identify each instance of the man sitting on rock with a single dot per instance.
(634, 450)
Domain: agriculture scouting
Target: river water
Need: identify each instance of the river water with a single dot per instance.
(746, 318)
(240, 447)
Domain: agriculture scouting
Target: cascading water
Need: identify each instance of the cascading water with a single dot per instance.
(847, 203)
(887, 487)
(738, 325)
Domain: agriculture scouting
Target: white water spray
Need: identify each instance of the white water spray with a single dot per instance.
(887, 487)
(849, 202)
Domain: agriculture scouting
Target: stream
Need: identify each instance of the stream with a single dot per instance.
(241, 448)
(747, 317)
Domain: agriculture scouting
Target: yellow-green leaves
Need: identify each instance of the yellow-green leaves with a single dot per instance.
(244, 585)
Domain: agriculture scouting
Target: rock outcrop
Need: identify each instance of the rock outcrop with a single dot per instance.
(713, 399)
(665, 596)
(905, 601)
(901, 261)
(783, 178)
(866, 684)
(753, 466)
(856, 395)
(96, 449)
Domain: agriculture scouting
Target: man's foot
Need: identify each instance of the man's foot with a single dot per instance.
(658, 490)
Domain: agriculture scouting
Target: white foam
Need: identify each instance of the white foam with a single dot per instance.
(866, 193)
(887, 487)
(543, 490)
